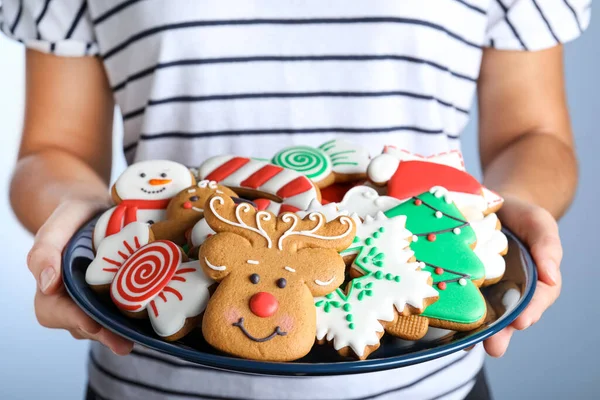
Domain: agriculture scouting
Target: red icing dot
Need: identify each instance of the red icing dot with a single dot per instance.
(439, 270)
(263, 304)
(418, 202)
(187, 205)
(431, 237)
(441, 285)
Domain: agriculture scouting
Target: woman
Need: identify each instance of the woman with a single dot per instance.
(195, 79)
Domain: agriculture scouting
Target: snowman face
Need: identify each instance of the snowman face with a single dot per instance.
(153, 180)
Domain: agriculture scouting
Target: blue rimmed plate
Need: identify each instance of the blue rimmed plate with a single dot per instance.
(506, 300)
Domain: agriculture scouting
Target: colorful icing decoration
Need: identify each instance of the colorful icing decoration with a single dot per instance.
(451, 252)
(290, 187)
(390, 283)
(142, 193)
(154, 278)
(114, 250)
(383, 168)
(364, 201)
(338, 157)
(330, 211)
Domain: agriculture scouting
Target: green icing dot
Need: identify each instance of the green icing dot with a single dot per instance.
(349, 317)
(365, 260)
(378, 274)
(381, 229)
(319, 303)
(378, 263)
(351, 325)
(379, 256)
(358, 285)
(356, 239)
(369, 285)
(389, 276)
(369, 241)
(335, 304)
(369, 292)
(397, 278)
(329, 296)
(326, 308)
(347, 307)
(376, 235)
(372, 251)
(361, 295)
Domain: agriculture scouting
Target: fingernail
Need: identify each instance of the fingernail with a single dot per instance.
(46, 278)
(551, 270)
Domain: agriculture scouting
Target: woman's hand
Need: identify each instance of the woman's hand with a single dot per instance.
(53, 306)
(539, 231)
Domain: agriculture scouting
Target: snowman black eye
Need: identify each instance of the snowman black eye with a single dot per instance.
(142, 175)
(163, 175)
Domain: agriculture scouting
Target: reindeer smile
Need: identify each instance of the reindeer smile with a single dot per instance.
(276, 332)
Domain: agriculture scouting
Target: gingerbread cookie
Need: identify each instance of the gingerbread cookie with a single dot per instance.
(185, 209)
(443, 243)
(142, 193)
(407, 175)
(391, 285)
(256, 179)
(333, 161)
(269, 269)
(156, 282)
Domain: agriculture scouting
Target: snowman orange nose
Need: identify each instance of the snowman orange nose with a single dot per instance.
(158, 182)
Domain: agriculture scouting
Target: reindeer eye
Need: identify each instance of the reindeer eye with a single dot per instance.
(281, 282)
(194, 198)
(254, 278)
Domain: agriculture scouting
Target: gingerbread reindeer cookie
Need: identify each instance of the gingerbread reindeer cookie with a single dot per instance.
(142, 193)
(270, 268)
(185, 210)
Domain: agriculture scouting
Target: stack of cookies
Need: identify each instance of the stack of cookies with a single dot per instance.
(319, 245)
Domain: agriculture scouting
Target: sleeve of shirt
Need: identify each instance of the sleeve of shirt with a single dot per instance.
(535, 24)
(61, 27)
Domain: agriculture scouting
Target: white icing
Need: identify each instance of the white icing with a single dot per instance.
(321, 283)
(158, 259)
(462, 281)
(141, 216)
(243, 207)
(191, 191)
(272, 186)
(253, 262)
(382, 168)
(412, 289)
(207, 184)
(289, 269)
(214, 267)
(330, 210)
(101, 271)
(200, 232)
(311, 232)
(364, 200)
(198, 209)
(438, 214)
(342, 153)
(490, 243)
(173, 312)
(132, 186)
(510, 299)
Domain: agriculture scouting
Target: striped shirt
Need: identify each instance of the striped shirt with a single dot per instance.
(198, 78)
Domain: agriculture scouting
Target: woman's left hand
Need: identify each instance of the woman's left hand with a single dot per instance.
(538, 229)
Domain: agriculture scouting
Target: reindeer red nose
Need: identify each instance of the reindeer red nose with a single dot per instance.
(263, 304)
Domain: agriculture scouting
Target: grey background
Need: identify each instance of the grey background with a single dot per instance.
(554, 359)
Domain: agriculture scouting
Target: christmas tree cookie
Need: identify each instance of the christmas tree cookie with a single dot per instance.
(391, 285)
(443, 243)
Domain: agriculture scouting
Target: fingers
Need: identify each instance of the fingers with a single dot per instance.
(44, 258)
(496, 345)
(60, 312)
(543, 298)
(541, 234)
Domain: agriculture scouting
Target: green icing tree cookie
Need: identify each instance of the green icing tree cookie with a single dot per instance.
(443, 241)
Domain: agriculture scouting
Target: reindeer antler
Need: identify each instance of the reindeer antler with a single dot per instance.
(315, 216)
(239, 222)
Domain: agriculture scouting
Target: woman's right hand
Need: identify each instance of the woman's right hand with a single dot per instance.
(53, 306)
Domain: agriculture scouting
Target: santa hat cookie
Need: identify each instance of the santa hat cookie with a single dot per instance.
(407, 175)
(142, 193)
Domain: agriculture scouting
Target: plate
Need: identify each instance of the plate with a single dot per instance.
(506, 300)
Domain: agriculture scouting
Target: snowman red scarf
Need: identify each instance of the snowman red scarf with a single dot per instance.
(126, 212)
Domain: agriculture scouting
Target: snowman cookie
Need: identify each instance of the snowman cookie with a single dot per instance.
(142, 193)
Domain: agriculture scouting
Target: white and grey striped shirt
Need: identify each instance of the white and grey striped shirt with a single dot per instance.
(199, 78)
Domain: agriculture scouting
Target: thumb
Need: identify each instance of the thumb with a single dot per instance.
(44, 258)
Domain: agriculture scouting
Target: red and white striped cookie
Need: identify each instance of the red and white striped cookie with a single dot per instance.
(293, 190)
